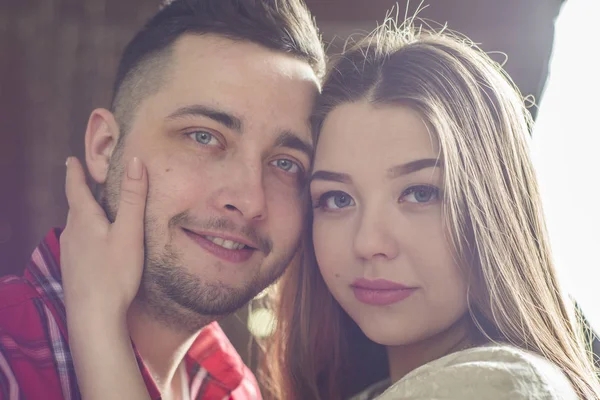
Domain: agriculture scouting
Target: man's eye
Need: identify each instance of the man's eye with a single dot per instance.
(287, 165)
(204, 138)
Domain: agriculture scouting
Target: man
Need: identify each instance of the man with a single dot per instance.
(211, 111)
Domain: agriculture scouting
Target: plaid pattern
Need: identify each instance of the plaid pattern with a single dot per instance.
(35, 361)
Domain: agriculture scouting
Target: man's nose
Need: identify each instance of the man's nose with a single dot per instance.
(242, 192)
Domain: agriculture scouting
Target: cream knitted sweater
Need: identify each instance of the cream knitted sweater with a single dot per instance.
(494, 372)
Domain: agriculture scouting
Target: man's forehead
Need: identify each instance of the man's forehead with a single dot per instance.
(214, 50)
(280, 94)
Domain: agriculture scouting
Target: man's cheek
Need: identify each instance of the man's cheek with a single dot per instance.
(170, 186)
(287, 215)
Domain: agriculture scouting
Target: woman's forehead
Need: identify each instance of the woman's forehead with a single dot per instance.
(361, 131)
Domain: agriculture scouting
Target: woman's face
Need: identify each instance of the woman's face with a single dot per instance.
(378, 226)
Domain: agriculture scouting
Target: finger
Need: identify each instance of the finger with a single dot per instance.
(78, 193)
(129, 224)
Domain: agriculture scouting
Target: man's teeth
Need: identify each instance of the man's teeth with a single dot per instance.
(228, 244)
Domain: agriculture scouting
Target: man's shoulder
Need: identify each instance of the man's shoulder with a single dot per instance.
(39, 289)
(23, 314)
(32, 345)
(15, 292)
(34, 355)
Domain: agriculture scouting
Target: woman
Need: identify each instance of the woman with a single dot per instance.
(431, 274)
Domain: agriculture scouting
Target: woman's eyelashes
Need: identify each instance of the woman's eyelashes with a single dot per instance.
(420, 195)
(334, 200)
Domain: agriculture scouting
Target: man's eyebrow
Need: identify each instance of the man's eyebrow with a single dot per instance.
(293, 141)
(224, 118)
(413, 166)
(331, 176)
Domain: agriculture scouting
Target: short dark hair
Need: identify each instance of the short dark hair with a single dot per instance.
(281, 25)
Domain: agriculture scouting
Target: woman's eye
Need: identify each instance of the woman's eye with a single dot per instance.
(334, 200)
(204, 138)
(287, 165)
(420, 194)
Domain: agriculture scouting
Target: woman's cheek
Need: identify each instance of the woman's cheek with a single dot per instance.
(330, 248)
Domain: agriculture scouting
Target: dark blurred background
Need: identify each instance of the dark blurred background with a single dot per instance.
(58, 59)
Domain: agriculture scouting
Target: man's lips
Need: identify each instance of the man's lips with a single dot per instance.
(232, 238)
(233, 255)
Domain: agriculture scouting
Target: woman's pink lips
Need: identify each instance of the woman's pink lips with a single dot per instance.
(380, 292)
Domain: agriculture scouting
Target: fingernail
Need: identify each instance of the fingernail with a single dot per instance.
(134, 170)
(67, 162)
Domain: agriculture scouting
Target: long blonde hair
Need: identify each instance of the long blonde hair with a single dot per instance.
(493, 214)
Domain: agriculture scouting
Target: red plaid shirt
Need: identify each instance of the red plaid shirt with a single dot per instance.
(35, 361)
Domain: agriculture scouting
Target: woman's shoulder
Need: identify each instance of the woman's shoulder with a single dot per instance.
(373, 391)
(494, 372)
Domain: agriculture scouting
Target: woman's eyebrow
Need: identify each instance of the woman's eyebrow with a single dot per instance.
(412, 166)
(331, 176)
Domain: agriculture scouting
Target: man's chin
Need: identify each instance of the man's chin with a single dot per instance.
(216, 301)
(192, 299)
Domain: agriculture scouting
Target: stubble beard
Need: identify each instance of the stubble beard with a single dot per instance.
(168, 292)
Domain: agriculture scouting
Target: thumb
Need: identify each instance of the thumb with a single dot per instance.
(129, 223)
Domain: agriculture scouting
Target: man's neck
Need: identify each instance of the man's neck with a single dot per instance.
(162, 347)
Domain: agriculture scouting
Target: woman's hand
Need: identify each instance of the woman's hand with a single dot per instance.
(101, 266)
(101, 262)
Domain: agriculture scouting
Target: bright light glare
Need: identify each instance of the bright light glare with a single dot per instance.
(261, 322)
(566, 146)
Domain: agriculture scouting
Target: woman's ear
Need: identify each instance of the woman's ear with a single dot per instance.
(101, 138)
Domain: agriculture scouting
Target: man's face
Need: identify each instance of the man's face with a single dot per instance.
(226, 142)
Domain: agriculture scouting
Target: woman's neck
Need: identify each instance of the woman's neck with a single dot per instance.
(405, 358)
